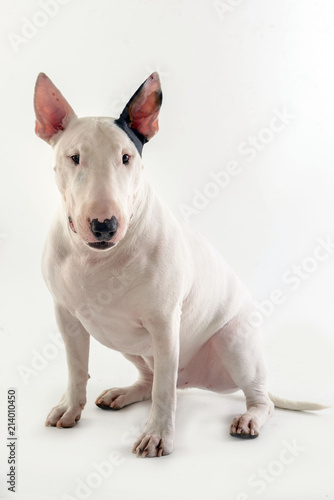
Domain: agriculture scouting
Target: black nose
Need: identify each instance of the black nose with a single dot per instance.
(104, 231)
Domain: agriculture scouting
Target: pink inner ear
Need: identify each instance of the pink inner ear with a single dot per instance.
(53, 112)
(145, 108)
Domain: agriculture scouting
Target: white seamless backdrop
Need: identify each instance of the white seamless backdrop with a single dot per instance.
(245, 156)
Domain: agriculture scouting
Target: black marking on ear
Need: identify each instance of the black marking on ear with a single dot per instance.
(123, 122)
(138, 139)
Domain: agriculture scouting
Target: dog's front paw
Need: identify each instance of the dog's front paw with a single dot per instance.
(64, 415)
(153, 445)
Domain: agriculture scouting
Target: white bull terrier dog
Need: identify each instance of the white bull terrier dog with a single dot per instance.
(180, 315)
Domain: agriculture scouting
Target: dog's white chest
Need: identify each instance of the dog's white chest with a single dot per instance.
(102, 301)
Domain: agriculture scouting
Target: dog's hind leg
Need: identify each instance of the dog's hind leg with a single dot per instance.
(118, 397)
(242, 357)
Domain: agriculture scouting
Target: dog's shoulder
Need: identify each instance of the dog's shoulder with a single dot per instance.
(56, 247)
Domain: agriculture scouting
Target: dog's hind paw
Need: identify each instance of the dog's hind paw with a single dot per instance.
(244, 427)
(118, 398)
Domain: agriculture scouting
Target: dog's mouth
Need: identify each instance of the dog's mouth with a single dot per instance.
(70, 221)
(101, 245)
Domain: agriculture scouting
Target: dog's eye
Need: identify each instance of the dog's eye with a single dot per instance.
(75, 159)
(126, 159)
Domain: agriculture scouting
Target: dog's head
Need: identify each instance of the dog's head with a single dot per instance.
(98, 160)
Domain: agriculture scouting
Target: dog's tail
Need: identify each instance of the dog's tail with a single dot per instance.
(287, 404)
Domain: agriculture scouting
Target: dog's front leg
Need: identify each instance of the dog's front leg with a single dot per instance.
(158, 436)
(76, 340)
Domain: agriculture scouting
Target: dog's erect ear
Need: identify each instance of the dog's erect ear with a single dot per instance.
(140, 115)
(53, 113)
